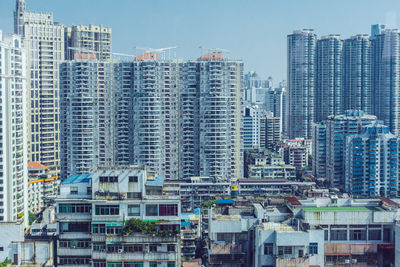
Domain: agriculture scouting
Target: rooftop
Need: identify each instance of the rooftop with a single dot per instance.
(36, 165)
(78, 178)
(157, 181)
(342, 209)
(279, 227)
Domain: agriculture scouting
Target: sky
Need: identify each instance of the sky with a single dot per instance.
(254, 31)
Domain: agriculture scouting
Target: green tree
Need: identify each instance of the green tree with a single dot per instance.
(6, 262)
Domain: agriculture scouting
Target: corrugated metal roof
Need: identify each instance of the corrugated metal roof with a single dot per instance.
(158, 181)
(78, 178)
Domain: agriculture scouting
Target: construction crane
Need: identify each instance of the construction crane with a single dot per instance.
(84, 50)
(214, 50)
(158, 50)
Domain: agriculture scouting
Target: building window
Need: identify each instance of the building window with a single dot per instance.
(74, 190)
(107, 210)
(108, 179)
(134, 195)
(284, 250)
(74, 208)
(313, 249)
(153, 248)
(357, 234)
(171, 264)
(170, 248)
(1, 248)
(99, 264)
(114, 264)
(153, 264)
(268, 249)
(151, 210)
(374, 234)
(338, 234)
(98, 228)
(168, 210)
(133, 179)
(133, 210)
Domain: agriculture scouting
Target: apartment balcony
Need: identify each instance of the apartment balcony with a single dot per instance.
(74, 251)
(142, 256)
(74, 235)
(74, 216)
(141, 238)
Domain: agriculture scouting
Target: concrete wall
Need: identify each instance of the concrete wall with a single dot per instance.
(397, 246)
(10, 236)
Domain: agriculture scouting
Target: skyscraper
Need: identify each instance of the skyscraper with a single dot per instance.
(301, 83)
(357, 74)
(385, 60)
(372, 167)
(328, 79)
(45, 50)
(155, 116)
(87, 115)
(220, 88)
(13, 138)
(93, 38)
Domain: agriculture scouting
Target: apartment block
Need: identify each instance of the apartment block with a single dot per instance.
(96, 39)
(13, 129)
(42, 187)
(117, 216)
(329, 144)
(87, 115)
(44, 45)
(372, 164)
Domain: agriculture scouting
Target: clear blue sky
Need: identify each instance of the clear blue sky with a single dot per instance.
(254, 31)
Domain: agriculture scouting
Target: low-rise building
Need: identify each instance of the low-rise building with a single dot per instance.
(264, 171)
(42, 187)
(117, 217)
(265, 187)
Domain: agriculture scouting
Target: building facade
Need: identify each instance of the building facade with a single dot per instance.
(100, 216)
(87, 115)
(13, 124)
(385, 76)
(328, 79)
(44, 44)
(96, 39)
(372, 167)
(329, 144)
(357, 91)
(301, 83)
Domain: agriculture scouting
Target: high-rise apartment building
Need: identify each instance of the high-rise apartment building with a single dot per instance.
(357, 74)
(328, 78)
(253, 130)
(96, 39)
(301, 83)
(44, 43)
(220, 87)
(13, 132)
(270, 131)
(372, 159)
(385, 60)
(329, 144)
(155, 116)
(87, 115)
